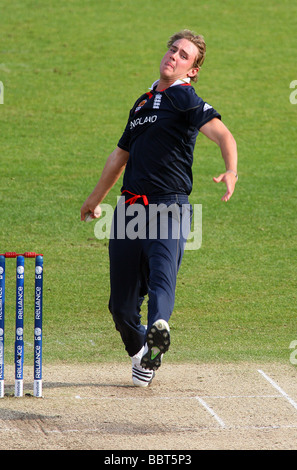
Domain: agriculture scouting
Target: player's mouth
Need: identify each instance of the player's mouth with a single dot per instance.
(169, 64)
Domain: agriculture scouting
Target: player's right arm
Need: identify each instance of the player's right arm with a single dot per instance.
(112, 170)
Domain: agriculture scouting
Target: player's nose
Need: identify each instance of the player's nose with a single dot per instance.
(173, 55)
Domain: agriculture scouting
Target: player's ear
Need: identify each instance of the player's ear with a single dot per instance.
(193, 72)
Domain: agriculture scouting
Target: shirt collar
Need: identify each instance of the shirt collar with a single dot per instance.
(177, 82)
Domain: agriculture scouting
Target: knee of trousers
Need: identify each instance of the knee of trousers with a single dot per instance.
(120, 317)
(129, 326)
(114, 312)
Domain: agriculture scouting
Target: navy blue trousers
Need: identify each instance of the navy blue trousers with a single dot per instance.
(146, 248)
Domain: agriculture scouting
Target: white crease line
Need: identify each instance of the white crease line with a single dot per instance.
(277, 387)
(240, 396)
(210, 410)
(220, 397)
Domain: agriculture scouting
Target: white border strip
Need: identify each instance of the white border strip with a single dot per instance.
(210, 410)
(281, 391)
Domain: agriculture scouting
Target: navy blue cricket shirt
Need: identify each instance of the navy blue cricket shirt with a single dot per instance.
(160, 137)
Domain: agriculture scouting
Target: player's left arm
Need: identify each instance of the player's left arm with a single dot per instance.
(220, 134)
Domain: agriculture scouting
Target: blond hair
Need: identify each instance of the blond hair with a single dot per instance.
(196, 39)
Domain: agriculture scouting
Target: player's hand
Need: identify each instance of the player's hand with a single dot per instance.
(90, 211)
(230, 179)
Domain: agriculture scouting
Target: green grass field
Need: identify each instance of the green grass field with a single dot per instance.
(71, 71)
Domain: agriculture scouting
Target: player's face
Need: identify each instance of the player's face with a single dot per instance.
(178, 61)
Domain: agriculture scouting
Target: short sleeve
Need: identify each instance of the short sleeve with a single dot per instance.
(203, 114)
(124, 142)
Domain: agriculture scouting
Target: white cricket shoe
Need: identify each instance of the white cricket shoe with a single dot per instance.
(140, 376)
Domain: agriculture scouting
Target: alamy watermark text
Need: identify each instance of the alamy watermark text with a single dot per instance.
(293, 95)
(155, 221)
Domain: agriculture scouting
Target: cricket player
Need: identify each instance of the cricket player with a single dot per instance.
(155, 152)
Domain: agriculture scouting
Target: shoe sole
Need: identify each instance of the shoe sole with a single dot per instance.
(158, 342)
